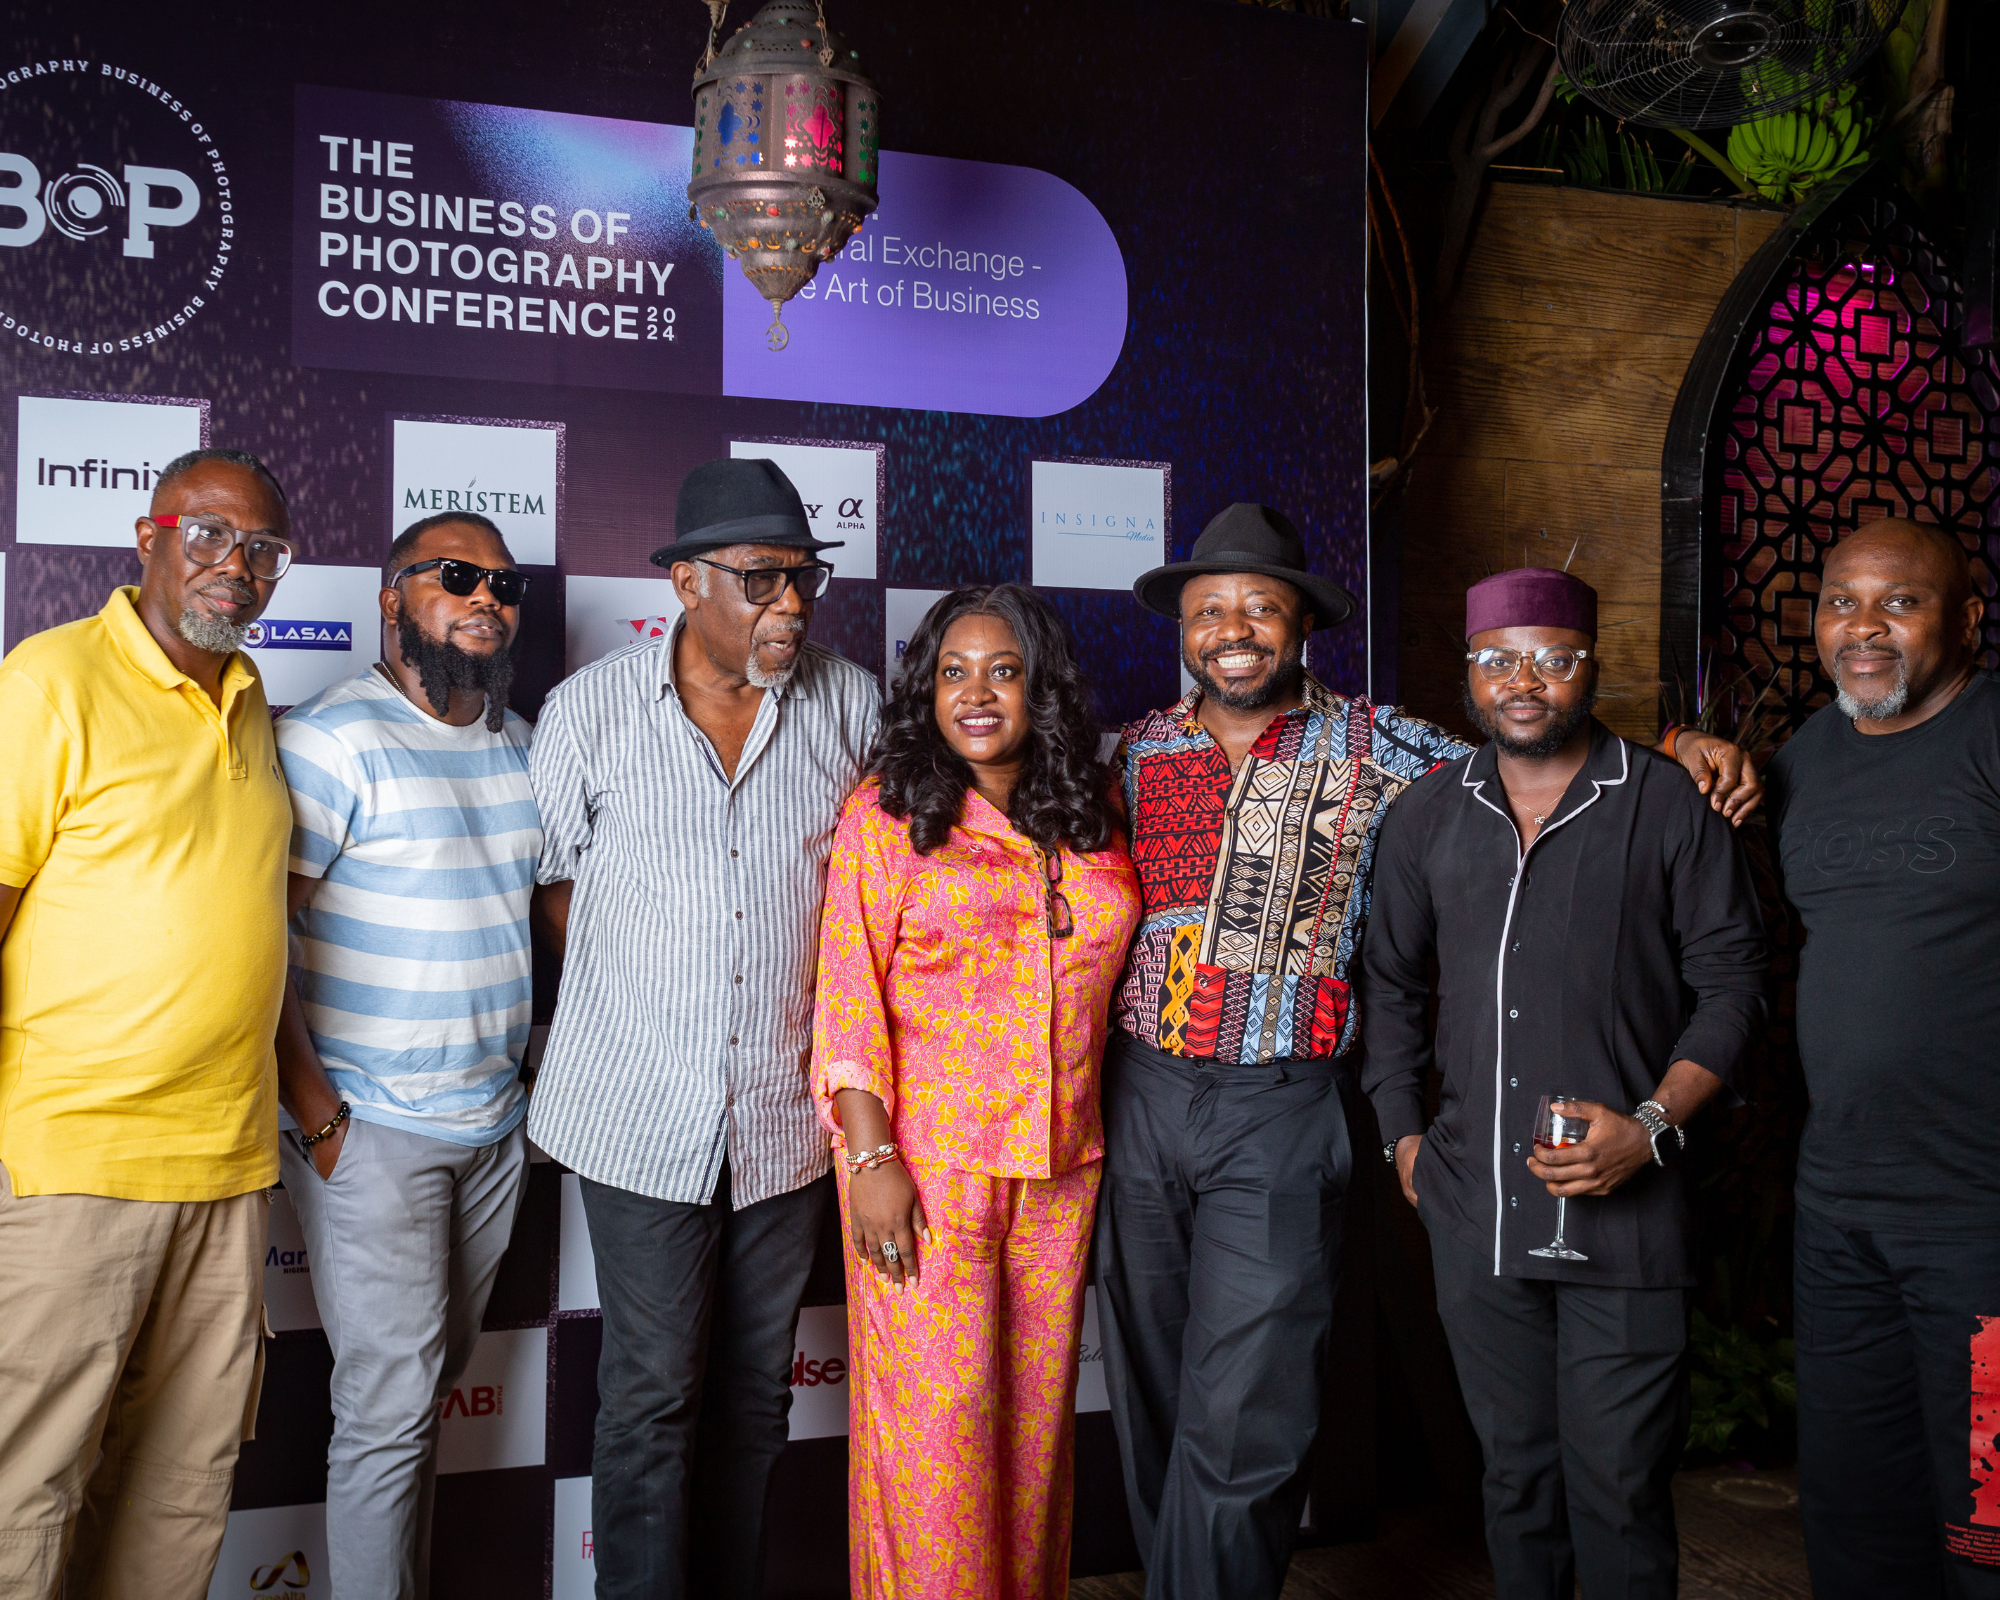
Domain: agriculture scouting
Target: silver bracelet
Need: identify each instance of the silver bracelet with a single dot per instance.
(869, 1160)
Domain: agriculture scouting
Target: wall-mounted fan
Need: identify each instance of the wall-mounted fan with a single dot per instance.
(1714, 63)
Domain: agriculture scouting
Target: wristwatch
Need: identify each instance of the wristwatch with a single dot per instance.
(1389, 1152)
(1653, 1116)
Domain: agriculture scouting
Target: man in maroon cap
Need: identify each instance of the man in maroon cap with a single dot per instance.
(1255, 806)
(1598, 945)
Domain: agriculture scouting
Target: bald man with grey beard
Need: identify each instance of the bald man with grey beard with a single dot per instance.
(1885, 808)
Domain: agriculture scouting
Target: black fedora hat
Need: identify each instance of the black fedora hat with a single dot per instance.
(738, 502)
(1247, 538)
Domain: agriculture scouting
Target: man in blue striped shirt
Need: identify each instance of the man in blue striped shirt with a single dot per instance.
(414, 846)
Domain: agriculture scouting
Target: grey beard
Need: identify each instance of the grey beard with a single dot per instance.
(206, 631)
(1891, 704)
(760, 679)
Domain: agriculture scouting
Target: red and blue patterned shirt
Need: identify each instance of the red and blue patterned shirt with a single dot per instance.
(1255, 883)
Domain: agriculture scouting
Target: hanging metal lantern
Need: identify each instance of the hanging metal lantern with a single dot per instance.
(786, 130)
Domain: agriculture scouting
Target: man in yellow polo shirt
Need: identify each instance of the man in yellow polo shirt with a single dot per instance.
(143, 832)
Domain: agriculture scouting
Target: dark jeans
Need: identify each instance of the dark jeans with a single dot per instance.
(1579, 1395)
(701, 1307)
(1899, 1404)
(1218, 1234)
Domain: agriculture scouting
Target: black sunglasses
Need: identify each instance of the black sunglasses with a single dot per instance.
(508, 587)
(762, 585)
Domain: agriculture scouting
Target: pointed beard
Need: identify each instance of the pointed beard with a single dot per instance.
(442, 666)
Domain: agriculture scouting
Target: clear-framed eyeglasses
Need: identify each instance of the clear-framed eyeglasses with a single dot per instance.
(1553, 663)
(207, 541)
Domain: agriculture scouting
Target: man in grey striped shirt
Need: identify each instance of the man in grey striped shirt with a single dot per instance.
(689, 789)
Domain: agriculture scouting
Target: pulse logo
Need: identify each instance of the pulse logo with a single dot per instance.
(300, 636)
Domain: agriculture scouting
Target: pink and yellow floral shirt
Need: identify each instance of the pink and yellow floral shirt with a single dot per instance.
(941, 992)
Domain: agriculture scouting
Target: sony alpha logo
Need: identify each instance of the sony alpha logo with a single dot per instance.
(274, 635)
(113, 254)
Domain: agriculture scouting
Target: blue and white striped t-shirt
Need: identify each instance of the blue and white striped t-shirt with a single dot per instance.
(412, 956)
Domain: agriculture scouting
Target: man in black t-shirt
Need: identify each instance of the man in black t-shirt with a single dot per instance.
(1886, 813)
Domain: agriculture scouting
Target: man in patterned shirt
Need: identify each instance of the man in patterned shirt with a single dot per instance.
(1254, 805)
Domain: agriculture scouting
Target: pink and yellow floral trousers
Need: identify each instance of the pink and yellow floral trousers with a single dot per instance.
(962, 1397)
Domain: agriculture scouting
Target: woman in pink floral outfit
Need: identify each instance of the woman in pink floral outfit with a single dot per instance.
(979, 904)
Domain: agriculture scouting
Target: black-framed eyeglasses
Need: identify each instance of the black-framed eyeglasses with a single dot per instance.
(507, 586)
(762, 585)
(207, 541)
(1553, 663)
(1062, 922)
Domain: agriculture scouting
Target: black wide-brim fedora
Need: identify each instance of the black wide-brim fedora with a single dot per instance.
(1247, 538)
(747, 501)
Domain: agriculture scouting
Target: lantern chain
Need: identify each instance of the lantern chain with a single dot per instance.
(715, 10)
(825, 41)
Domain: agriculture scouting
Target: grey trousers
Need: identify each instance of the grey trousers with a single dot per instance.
(1579, 1395)
(1218, 1240)
(404, 1241)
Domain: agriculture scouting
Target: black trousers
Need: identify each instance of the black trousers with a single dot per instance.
(1579, 1395)
(701, 1307)
(1218, 1233)
(1899, 1404)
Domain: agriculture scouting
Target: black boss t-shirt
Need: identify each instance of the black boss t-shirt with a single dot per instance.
(1890, 848)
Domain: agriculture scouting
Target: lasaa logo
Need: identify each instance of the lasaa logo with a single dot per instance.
(300, 636)
(290, 1571)
(157, 221)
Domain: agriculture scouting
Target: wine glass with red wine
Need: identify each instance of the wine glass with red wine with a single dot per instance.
(1554, 1131)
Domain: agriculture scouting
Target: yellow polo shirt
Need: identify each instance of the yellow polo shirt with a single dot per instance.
(141, 977)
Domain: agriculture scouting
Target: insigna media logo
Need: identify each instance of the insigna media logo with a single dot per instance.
(289, 1571)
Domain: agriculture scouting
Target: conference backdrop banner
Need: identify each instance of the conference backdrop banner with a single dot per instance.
(442, 261)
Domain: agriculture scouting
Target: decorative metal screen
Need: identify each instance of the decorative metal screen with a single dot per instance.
(1849, 399)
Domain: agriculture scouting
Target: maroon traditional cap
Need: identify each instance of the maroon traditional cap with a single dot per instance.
(1531, 597)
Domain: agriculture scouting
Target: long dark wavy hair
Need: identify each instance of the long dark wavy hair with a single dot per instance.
(1063, 795)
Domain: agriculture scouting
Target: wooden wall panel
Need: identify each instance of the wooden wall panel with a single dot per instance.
(1554, 371)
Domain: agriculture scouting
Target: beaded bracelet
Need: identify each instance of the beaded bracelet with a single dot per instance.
(308, 1140)
(869, 1160)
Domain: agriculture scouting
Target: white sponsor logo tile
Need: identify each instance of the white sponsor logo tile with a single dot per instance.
(278, 1553)
(84, 469)
(323, 624)
(819, 1374)
(1090, 1391)
(576, 1564)
(288, 1285)
(497, 1413)
(506, 472)
(606, 614)
(1096, 526)
(902, 610)
(840, 485)
(576, 1268)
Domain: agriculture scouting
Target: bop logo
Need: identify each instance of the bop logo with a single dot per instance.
(109, 254)
(291, 1571)
(300, 636)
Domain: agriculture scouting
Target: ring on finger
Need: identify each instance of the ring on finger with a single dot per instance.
(890, 1253)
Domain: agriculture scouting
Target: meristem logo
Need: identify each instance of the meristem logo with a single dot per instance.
(116, 210)
(276, 635)
(486, 502)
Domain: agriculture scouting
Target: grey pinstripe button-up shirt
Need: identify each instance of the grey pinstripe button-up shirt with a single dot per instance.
(684, 1024)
